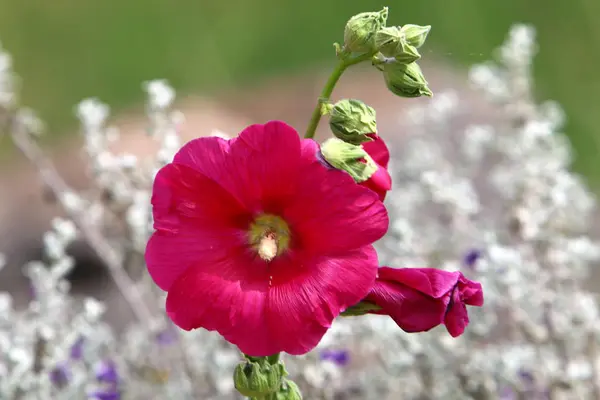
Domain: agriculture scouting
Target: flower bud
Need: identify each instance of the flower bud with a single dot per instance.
(406, 80)
(352, 120)
(391, 42)
(359, 34)
(350, 158)
(379, 61)
(289, 391)
(257, 378)
(386, 40)
(415, 35)
(381, 181)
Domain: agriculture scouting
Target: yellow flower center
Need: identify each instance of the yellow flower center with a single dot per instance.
(269, 235)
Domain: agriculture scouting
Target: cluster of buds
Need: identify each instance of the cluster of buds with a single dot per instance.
(263, 378)
(394, 50)
(356, 147)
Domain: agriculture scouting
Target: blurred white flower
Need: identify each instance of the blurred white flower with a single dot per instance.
(7, 95)
(92, 113)
(160, 93)
(28, 120)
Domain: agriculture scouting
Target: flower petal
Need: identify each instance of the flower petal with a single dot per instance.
(168, 255)
(302, 307)
(466, 293)
(258, 167)
(380, 182)
(291, 314)
(195, 219)
(432, 282)
(182, 195)
(471, 292)
(412, 310)
(310, 150)
(378, 150)
(208, 156)
(227, 296)
(266, 161)
(457, 317)
(331, 213)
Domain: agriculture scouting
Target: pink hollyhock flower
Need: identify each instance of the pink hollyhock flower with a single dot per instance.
(419, 299)
(257, 240)
(380, 182)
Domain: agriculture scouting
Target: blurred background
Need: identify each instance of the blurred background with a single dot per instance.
(67, 50)
(236, 62)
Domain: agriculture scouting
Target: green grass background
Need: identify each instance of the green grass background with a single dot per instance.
(66, 50)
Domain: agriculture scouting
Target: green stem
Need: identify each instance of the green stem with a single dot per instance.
(325, 94)
(328, 90)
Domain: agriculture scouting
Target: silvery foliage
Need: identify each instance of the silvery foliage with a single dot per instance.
(501, 193)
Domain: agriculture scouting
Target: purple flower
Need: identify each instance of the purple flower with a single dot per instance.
(471, 258)
(507, 393)
(107, 372)
(166, 337)
(60, 374)
(77, 349)
(526, 377)
(109, 394)
(339, 357)
(32, 291)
